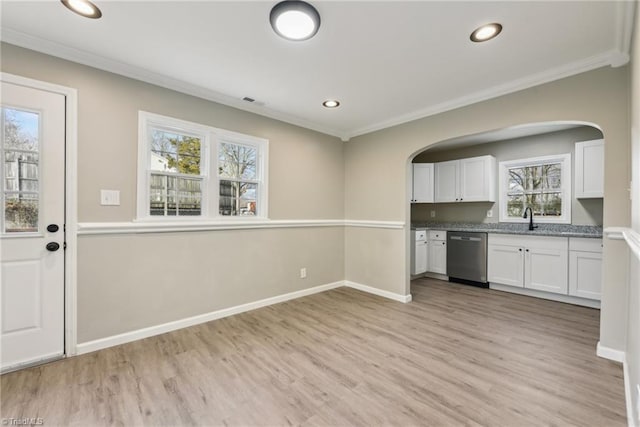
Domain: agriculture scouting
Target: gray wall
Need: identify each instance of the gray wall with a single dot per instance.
(377, 177)
(633, 322)
(130, 281)
(583, 211)
(312, 176)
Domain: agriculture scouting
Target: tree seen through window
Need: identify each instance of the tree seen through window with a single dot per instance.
(539, 187)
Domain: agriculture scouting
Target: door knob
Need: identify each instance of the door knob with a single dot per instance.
(53, 246)
(52, 228)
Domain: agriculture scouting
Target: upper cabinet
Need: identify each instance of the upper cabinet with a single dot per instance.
(589, 179)
(447, 181)
(466, 180)
(422, 183)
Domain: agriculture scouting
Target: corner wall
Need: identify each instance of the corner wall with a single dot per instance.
(633, 323)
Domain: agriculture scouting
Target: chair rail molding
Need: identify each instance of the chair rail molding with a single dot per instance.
(628, 235)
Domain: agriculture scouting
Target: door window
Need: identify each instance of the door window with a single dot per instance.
(20, 160)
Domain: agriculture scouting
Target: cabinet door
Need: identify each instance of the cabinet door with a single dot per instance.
(585, 274)
(505, 265)
(589, 176)
(420, 261)
(547, 269)
(422, 183)
(477, 179)
(446, 174)
(438, 256)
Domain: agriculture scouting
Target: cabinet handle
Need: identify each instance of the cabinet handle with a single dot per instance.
(527, 250)
(444, 243)
(520, 249)
(460, 198)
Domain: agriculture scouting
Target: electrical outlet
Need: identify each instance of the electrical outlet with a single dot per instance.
(303, 273)
(489, 213)
(433, 214)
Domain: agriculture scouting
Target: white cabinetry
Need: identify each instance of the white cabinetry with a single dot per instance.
(437, 251)
(419, 251)
(589, 176)
(447, 177)
(531, 262)
(422, 183)
(505, 263)
(585, 268)
(466, 180)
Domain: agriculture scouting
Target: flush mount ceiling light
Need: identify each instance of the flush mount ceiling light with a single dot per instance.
(486, 32)
(83, 7)
(295, 20)
(331, 103)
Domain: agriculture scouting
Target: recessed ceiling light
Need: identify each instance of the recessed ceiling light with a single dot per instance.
(486, 32)
(331, 103)
(295, 20)
(83, 7)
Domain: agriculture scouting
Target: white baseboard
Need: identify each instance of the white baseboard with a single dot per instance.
(568, 299)
(610, 353)
(126, 337)
(620, 356)
(379, 292)
(628, 395)
(438, 276)
(99, 344)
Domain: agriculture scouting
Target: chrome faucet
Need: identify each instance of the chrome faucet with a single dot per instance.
(531, 226)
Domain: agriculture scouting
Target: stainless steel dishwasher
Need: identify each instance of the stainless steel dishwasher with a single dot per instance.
(467, 258)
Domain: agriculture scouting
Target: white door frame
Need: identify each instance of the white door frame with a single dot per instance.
(71, 200)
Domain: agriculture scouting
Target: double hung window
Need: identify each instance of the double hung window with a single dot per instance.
(190, 170)
(542, 183)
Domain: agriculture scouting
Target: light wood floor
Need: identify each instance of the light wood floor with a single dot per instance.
(456, 355)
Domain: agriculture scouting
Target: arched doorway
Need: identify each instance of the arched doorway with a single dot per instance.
(524, 142)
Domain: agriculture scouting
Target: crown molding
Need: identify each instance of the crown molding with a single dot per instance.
(617, 57)
(588, 64)
(48, 47)
(625, 12)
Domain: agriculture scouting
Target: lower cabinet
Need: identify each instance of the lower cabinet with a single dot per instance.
(437, 252)
(559, 265)
(531, 262)
(546, 266)
(505, 264)
(419, 252)
(585, 268)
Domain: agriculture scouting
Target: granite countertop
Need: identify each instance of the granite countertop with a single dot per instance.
(557, 230)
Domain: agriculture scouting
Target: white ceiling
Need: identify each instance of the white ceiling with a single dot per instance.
(388, 62)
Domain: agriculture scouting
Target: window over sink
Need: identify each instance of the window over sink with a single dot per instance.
(542, 183)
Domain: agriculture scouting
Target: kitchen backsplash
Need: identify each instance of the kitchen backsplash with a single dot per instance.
(584, 212)
(454, 212)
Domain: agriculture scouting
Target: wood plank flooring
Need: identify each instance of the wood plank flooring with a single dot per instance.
(456, 355)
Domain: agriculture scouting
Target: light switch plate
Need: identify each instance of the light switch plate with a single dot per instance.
(489, 213)
(433, 214)
(110, 197)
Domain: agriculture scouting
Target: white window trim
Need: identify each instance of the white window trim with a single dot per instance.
(567, 200)
(210, 138)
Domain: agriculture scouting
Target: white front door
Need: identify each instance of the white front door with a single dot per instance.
(32, 167)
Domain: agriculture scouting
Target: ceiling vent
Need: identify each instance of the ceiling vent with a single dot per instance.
(253, 101)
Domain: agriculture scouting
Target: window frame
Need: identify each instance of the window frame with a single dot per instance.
(565, 189)
(210, 139)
